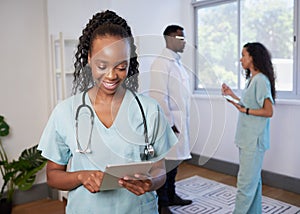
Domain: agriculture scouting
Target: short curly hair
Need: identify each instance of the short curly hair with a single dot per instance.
(103, 23)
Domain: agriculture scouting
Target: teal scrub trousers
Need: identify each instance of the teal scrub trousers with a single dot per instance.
(249, 185)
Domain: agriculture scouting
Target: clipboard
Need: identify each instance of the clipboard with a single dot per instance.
(113, 173)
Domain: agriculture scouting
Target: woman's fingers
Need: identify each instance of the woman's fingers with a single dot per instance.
(91, 180)
(140, 184)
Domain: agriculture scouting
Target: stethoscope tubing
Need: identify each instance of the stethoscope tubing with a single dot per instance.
(92, 116)
(149, 150)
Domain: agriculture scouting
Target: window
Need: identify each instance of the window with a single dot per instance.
(224, 26)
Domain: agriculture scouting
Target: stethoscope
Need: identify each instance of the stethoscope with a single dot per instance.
(148, 150)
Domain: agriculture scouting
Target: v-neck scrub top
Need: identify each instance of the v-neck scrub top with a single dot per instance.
(253, 129)
(121, 143)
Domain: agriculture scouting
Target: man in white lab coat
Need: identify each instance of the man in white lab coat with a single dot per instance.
(170, 86)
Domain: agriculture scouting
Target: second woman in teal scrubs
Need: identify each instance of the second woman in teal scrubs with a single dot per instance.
(253, 128)
(106, 70)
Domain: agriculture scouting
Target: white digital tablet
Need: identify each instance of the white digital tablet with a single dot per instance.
(230, 98)
(113, 173)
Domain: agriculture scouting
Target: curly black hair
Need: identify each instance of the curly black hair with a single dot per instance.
(261, 58)
(103, 23)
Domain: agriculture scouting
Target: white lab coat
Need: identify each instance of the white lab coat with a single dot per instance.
(170, 86)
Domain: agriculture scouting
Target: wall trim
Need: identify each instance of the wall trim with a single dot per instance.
(268, 178)
(36, 192)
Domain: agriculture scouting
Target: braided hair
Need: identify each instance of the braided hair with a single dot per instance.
(261, 58)
(103, 23)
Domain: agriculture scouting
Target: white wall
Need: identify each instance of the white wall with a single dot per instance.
(217, 129)
(283, 157)
(70, 17)
(24, 72)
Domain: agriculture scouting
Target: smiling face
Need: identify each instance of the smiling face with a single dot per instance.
(109, 59)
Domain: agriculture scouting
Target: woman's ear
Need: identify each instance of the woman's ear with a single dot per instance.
(89, 59)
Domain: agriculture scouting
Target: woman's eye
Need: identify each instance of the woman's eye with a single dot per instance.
(122, 68)
(101, 67)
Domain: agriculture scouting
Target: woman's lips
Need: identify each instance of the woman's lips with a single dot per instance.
(110, 85)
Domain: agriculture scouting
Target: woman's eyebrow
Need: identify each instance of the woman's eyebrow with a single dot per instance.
(121, 62)
(100, 61)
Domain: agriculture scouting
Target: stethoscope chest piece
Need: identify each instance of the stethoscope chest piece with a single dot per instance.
(149, 150)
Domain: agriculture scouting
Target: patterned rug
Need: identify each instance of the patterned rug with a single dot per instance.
(212, 197)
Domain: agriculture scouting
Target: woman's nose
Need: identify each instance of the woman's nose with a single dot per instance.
(111, 74)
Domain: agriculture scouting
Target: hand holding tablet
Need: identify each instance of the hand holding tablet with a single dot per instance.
(113, 173)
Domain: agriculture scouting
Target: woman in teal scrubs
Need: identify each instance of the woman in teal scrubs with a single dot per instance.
(106, 70)
(253, 127)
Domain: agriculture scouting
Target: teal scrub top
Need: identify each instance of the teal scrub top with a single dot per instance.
(252, 130)
(121, 143)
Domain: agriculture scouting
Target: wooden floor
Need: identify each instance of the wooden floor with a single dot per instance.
(185, 170)
(188, 170)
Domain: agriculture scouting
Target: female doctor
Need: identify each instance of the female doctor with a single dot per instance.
(109, 126)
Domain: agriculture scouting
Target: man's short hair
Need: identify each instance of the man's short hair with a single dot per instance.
(172, 29)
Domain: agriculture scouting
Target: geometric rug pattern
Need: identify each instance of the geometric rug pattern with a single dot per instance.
(211, 197)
